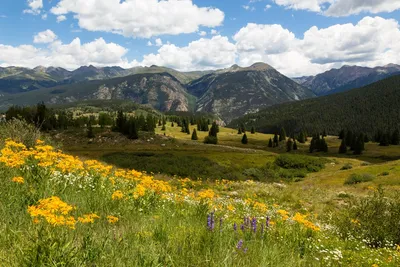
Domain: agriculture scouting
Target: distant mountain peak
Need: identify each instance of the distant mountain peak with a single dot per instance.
(260, 66)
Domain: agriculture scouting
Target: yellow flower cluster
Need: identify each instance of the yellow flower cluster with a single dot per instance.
(18, 180)
(284, 214)
(14, 154)
(88, 218)
(54, 211)
(302, 220)
(207, 194)
(117, 195)
(112, 219)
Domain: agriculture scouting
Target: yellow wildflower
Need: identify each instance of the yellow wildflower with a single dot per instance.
(112, 219)
(88, 218)
(117, 195)
(19, 180)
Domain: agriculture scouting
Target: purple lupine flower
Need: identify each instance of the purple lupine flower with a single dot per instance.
(239, 244)
(242, 227)
(235, 227)
(254, 224)
(210, 221)
(267, 222)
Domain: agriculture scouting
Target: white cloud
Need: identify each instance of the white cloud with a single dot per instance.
(44, 37)
(366, 41)
(339, 8)
(271, 39)
(138, 18)
(311, 5)
(214, 32)
(267, 7)
(44, 16)
(159, 42)
(346, 7)
(371, 42)
(213, 53)
(70, 56)
(61, 18)
(202, 33)
(249, 8)
(35, 7)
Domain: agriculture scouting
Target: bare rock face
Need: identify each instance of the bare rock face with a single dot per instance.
(236, 91)
(161, 91)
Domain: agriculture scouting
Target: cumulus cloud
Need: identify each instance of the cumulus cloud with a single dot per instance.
(366, 41)
(35, 7)
(339, 8)
(346, 7)
(70, 56)
(138, 18)
(373, 41)
(61, 18)
(44, 37)
(213, 53)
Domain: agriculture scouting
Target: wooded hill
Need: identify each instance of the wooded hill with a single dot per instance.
(368, 109)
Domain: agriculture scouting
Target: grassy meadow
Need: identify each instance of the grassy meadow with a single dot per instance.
(244, 205)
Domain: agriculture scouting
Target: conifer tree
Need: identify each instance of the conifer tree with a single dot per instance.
(289, 145)
(239, 131)
(133, 132)
(385, 140)
(282, 135)
(163, 128)
(276, 140)
(342, 134)
(395, 138)
(172, 124)
(324, 133)
(188, 130)
(90, 133)
(302, 138)
(244, 139)
(242, 128)
(194, 135)
(349, 138)
(270, 143)
(295, 145)
(343, 147)
(253, 131)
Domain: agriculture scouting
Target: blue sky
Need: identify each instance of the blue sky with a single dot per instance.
(298, 37)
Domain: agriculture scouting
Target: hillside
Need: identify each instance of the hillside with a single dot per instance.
(160, 91)
(346, 78)
(233, 92)
(368, 109)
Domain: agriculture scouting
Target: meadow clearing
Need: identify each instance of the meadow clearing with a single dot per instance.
(73, 209)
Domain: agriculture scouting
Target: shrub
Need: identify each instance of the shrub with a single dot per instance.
(347, 166)
(385, 173)
(373, 219)
(211, 140)
(311, 164)
(359, 178)
(20, 131)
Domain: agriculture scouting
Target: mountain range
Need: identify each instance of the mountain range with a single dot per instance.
(346, 78)
(229, 93)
